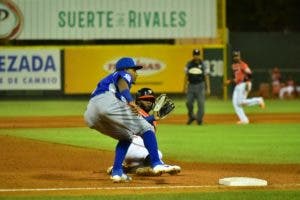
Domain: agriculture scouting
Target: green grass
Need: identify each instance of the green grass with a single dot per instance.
(245, 195)
(231, 143)
(82, 137)
(77, 107)
(277, 143)
(254, 143)
(42, 108)
(216, 106)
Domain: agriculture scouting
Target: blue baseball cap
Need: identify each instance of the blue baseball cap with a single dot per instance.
(127, 63)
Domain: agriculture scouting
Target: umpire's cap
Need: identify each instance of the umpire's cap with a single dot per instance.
(146, 94)
(196, 52)
(127, 63)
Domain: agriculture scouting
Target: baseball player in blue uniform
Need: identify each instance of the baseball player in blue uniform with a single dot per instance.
(137, 159)
(113, 112)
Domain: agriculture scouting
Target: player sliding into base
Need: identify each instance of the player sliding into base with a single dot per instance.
(112, 111)
(137, 159)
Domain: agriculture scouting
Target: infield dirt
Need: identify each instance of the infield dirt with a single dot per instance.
(77, 121)
(29, 163)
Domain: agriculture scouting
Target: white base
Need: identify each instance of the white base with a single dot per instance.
(242, 181)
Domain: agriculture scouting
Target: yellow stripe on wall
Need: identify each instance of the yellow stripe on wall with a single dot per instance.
(163, 66)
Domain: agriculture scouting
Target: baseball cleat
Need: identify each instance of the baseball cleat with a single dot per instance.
(190, 121)
(119, 179)
(262, 104)
(160, 169)
(176, 170)
(126, 169)
(242, 123)
(146, 171)
(109, 170)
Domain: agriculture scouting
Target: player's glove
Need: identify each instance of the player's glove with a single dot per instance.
(163, 106)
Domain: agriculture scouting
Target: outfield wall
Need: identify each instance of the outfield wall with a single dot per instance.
(78, 69)
(265, 50)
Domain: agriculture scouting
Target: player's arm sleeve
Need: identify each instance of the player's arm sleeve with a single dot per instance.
(248, 73)
(150, 119)
(247, 70)
(126, 77)
(124, 89)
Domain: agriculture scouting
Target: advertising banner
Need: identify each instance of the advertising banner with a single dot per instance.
(30, 69)
(102, 19)
(163, 66)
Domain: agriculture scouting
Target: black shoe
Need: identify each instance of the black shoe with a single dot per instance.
(147, 161)
(190, 120)
(199, 123)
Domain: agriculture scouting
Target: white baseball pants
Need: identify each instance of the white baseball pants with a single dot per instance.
(239, 99)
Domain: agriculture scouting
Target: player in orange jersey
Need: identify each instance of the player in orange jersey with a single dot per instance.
(242, 79)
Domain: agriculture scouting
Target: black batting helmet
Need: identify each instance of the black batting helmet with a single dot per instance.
(145, 94)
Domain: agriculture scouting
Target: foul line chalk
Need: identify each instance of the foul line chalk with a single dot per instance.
(129, 188)
(105, 188)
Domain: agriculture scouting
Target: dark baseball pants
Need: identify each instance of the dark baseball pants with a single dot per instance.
(196, 92)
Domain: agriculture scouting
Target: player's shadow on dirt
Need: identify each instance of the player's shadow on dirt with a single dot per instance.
(157, 180)
(64, 177)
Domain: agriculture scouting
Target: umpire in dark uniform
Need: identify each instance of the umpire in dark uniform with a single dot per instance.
(195, 84)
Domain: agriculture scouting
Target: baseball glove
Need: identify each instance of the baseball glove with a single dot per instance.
(163, 106)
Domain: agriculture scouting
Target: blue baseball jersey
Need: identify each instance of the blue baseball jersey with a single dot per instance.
(109, 83)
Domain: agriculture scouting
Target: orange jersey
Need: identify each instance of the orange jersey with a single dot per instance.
(145, 114)
(240, 70)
